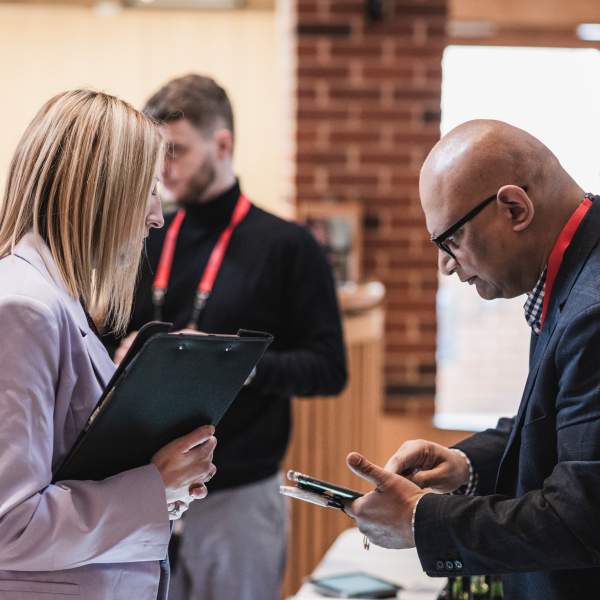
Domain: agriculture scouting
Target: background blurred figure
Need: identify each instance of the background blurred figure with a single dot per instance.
(273, 277)
(81, 197)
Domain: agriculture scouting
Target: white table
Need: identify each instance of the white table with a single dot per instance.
(398, 566)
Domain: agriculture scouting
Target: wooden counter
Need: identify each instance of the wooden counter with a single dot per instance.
(326, 429)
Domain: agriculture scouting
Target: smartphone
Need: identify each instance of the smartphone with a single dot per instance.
(331, 490)
(355, 585)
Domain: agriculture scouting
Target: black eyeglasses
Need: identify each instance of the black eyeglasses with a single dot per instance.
(440, 240)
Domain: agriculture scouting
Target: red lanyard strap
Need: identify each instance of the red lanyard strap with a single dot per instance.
(213, 266)
(217, 255)
(558, 252)
(163, 273)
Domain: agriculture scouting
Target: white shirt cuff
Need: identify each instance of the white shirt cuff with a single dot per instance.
(471, 486)
(466, 490)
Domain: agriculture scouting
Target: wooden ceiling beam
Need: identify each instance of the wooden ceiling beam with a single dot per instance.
(527, 13)
(250, 4)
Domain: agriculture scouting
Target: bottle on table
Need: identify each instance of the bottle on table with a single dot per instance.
(476, 587)
(456, 588)
(480, 588)
(496, 589)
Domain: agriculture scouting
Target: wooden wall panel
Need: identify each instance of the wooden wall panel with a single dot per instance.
(325, 430)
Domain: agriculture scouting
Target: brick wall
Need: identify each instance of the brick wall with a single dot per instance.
(368, 111)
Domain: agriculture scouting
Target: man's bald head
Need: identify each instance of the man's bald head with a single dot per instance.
(476, 160)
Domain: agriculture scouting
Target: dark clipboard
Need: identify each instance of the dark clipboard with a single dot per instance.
(166, 386)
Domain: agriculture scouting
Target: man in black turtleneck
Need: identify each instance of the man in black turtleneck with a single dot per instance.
(274, 277)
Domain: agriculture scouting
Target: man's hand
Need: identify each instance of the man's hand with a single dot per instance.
(185, 465)
(125, 344)
(430, 465)
(385, 514)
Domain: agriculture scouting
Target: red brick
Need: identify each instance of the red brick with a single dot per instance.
(436, 33)
(407, 177)
(324, 158)
(350, 49)
(306, 93)
(348, 8)
(384, 158)
(386, 115)
(307, 134)
(395, 27)
(413, 306)
(427, 52)
(419, 8)
(408, 93)
(348, 92)
(395, 72)
(307, 49)
(313, 113)
(339, 136)
(310, 72)
(304, 182)
(368, 113)
(352, 180)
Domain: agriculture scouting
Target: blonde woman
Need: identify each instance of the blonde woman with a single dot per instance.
(80, 199)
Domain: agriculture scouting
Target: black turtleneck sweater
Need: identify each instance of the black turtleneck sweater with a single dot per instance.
(274, 278)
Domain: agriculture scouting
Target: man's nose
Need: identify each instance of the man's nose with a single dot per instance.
(446, 263)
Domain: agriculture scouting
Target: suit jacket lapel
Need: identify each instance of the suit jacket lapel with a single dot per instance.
(34, 250)
(585, 239)
(102, 364)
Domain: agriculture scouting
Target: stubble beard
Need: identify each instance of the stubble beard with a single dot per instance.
(199, 184)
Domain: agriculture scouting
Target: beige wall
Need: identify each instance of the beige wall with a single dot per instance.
(46, 49)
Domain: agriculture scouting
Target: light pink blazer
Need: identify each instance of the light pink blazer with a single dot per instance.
(73, 539)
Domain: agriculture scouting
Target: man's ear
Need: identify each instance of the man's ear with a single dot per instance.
(516, 204)
(224, 142)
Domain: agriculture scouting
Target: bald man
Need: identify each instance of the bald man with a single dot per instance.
(508, 220)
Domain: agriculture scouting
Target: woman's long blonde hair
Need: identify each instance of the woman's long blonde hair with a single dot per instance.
(81, 178)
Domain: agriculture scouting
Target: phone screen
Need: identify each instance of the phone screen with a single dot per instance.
(319, 486)
(356, 585)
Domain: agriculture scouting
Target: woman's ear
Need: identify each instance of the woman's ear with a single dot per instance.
(516, 205)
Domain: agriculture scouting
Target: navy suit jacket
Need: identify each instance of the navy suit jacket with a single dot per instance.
(536, 518)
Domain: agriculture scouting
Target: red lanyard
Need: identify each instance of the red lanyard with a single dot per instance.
(207, 281)
(558, 252)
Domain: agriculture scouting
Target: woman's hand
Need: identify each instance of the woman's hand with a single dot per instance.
(125, 344)
(185, 465)
(176, 509)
